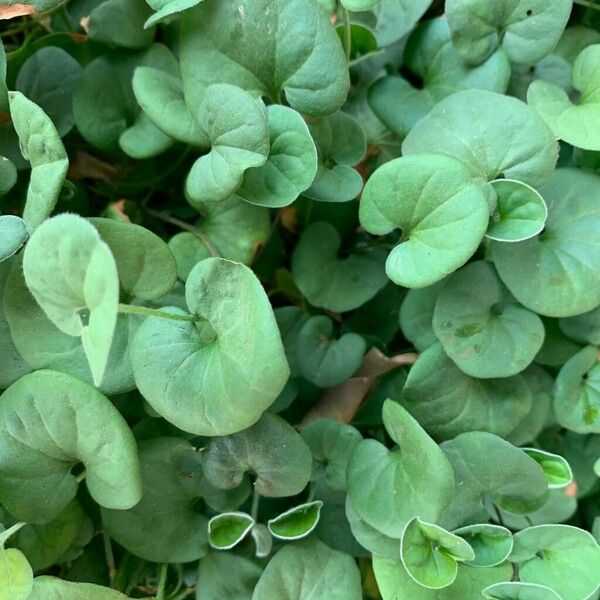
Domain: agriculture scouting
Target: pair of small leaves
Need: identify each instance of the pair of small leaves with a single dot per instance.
(51, 422)
(216, 375)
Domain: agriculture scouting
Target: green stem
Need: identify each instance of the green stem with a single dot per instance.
(162, 581)
(347, 33)
(154, 312)
(255, 503)
(110, 557)
(10, 531)
(187, 592)
(587, 4)
(64, 16)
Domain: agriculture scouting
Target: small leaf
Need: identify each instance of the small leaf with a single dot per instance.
(556, 468)
(227, 530)
(263, 540)
(13, 234)
(520, 212)
(516, 590)
(395, 18)
(297, 522)
(16, 576)
(120, 23)
(430, 554)
(492, 544)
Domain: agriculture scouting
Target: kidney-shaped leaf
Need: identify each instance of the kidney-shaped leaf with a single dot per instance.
(166, 525)
(564, 558)
(478, 28)
(268, 47)
(493, 135)
(72, 274)
(389, 488)
(490, 469)
(216, 376)
(51, 422)
(520, 212)
(271, 449)
(16, 576)
(297, 522)
(492, 544)
(578, 123)
(517, 590)
(555, 273)
(41, 145)
(332, 283)
(13, 234)
(433, 200)
(482, 329)
(447, 402)
(308, 570)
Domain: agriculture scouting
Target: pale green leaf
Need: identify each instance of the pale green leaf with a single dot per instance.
(13, 234)
(227, 530)
(297, 522)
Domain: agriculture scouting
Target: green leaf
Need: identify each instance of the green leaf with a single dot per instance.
(584, 328)
(324, 360)
(291, 164)
(447, 402)
(520, 212)
(395, 583)
(165, 526)
(341, 145)
(577, 392)
(556, 468)
(121, 23)
(13, 234)
(395, 18)
(226, 575)
(16, 576)
(309, 569)
(331, 283)
(51, 422)
(291, 320)
(145, 264)
(564, 558)
(416, 315)
(8, 175)
(217, 376)
(272, 450)
(52, 588)
(430, 554)
(267, 47)
(171, 8)
(41, 145)
(478, 28)
(490, 470)
(235, 229)
(439, 201)
(534, 270)
(495, 136)
(389, 488)
(490, 335)
(143, 139)
(331, 444)
(492, 544)
(235, 127)
(363, 43)
(515, 590)
(227, 530)
(359, 5)
(431, 59)
(577, 123)
(297, 522)
(48, 78)
(72, 275)
(43, 346)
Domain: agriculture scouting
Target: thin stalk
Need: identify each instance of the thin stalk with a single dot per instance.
(154, 312)
(110, 557)
(10, 531)
(347, 33)
(162, 581)
(255, 503)
(187, 592)
(587, 4)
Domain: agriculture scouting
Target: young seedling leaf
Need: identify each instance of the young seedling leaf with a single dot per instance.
(227, 530)
(297, 522)
(556, 468)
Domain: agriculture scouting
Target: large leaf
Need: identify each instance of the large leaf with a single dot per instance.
(72, 274)
(478, 28)
(565, 558)
(226, 575)
(331, 283)
(577, 392)
(308, 570)
(216, 376)
(41, 145)
(389, 488)
(51, 422)
(13, 234)
(166, 525)
(432, 60)
(490, 471)
(555, 273)
(495, 136)
(432, 199)
(272, 450)
(448, 402)
(268, 47)
(235, 128)
(480, 326)
(52, 588)
(577, 123)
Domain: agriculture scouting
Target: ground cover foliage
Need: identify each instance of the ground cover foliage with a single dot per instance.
(299, 299)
